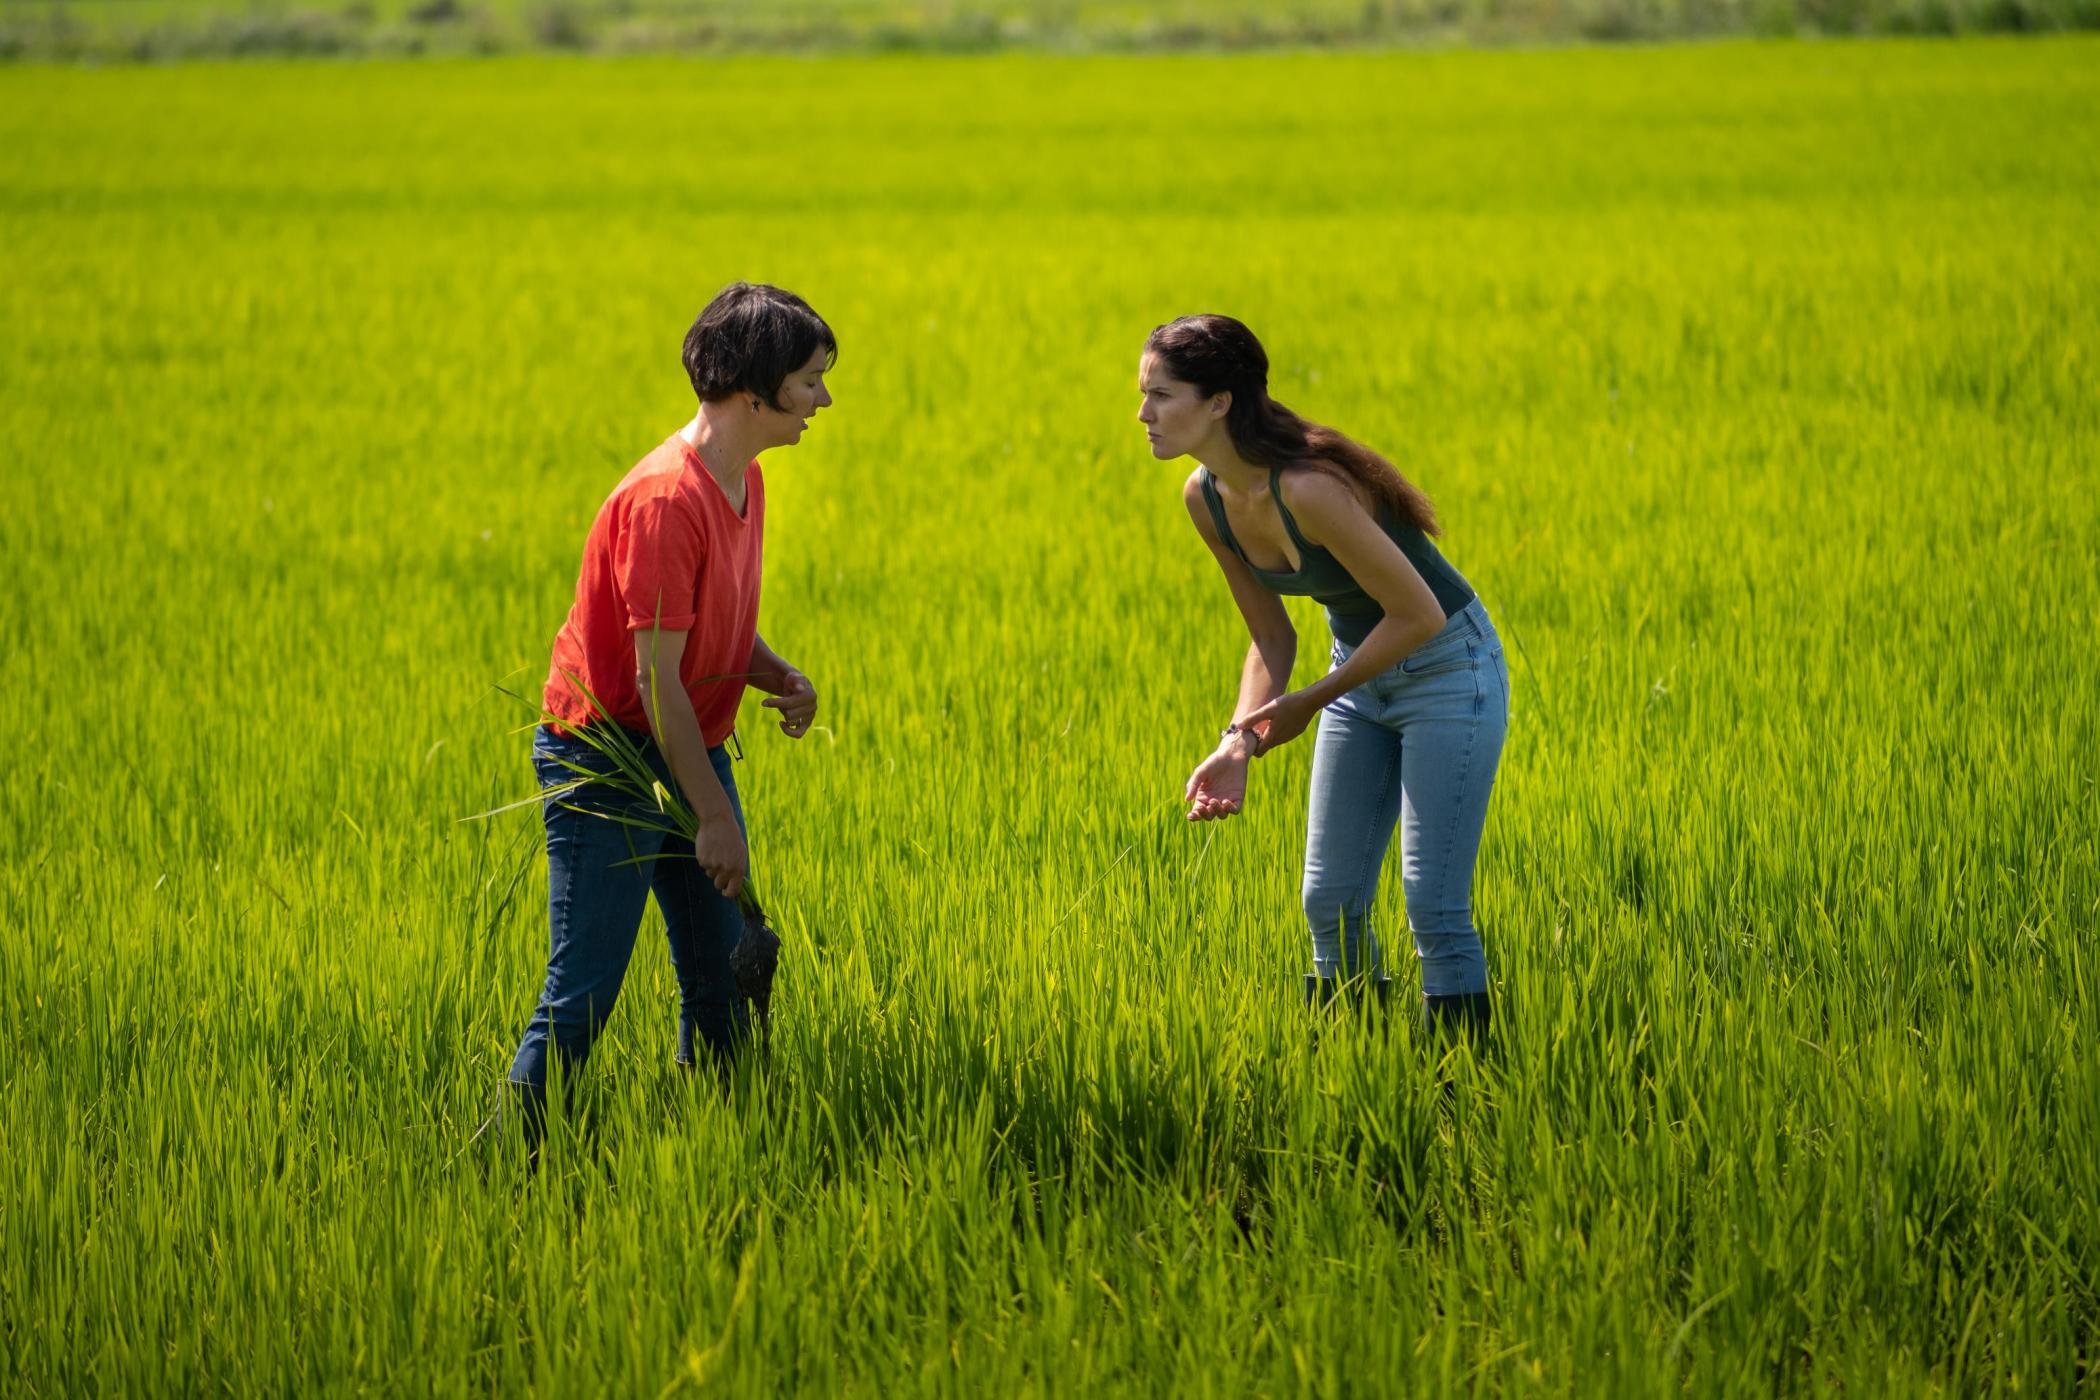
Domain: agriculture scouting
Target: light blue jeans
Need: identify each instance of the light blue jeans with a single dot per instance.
(1416, 745)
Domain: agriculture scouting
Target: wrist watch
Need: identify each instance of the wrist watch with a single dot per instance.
(1255, 735)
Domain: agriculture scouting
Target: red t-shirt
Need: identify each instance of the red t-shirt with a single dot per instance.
(667, 550)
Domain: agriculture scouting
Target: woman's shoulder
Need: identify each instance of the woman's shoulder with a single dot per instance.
(1194, 495)
(1311, 486)
(1199, 492)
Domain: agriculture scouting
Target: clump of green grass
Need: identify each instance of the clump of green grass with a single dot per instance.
(623, 787)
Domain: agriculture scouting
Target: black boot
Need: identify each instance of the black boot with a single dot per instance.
(529, 1107)
(1358, 992)
(1468, 1017)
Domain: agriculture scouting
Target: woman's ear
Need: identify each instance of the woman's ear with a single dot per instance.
(1221, 403)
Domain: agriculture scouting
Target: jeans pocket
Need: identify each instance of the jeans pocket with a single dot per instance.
(558, 758)
(573, 776)
(1441, 653)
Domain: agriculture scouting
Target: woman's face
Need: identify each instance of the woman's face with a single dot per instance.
(804, 393)
(1177, 419)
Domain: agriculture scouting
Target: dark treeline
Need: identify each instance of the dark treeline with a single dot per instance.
(89, 33)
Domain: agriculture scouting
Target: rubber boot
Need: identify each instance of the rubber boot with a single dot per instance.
(530, 1108)
(1468, 1016)
(1360, 993)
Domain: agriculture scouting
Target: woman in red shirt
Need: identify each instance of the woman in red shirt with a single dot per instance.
(662, 639)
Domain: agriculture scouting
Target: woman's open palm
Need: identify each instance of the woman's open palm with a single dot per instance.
(1217, 788)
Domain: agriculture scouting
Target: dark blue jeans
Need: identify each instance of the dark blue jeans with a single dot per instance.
(597, 890)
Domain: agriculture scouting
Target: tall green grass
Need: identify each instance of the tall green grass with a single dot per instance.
(1754, 385)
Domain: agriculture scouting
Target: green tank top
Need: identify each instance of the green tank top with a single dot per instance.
(1351, 612)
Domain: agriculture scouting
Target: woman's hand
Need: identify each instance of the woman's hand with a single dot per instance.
(719, 847)
(1218, 787)
(1282, 719)
(797, 703)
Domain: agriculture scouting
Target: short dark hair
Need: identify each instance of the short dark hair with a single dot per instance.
(749, 339)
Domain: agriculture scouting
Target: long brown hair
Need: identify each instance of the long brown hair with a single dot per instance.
(1217, 354)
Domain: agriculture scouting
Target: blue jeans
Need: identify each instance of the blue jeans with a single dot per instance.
(1417, 746)
(596, 892)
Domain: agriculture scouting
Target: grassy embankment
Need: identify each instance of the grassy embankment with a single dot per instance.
(163, 30)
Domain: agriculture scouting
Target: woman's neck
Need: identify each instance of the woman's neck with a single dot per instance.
(1232, 470)
(724, 445)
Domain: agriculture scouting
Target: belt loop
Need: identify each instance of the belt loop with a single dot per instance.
(735, 746)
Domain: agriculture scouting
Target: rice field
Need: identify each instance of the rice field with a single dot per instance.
(1754, 384)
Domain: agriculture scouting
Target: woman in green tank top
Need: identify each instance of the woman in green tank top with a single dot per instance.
(1413, 710)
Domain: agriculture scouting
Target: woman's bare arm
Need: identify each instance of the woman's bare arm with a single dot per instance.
(719, 844)
(1274, 649)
